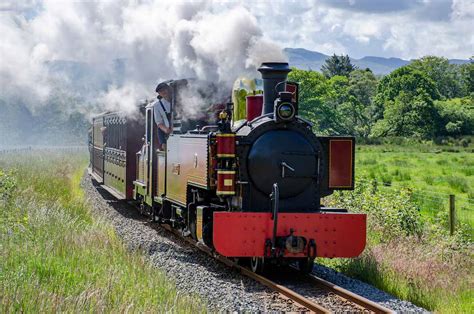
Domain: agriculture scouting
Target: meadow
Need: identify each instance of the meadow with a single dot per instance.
(58, 257)
(431, 172)
(403, 188)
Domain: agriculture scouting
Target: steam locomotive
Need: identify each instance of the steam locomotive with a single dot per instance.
(250, 190)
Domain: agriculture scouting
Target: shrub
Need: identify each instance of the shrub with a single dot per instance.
(390, 213)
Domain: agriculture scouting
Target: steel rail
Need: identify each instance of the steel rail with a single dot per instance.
(350, 296)
(297, 298)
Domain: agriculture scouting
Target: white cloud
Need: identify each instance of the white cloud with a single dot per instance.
(407, 29)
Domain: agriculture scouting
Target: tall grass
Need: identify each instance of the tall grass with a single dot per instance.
(407, 255)
(57, 257)
(425, 168)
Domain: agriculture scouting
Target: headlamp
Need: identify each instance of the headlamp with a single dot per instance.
(285, 111)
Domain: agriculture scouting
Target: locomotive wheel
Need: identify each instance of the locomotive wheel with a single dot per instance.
(207, 235)
(257, 264)
(192, 229)
(305, 265)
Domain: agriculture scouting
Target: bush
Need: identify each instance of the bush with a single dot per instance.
(390, 213)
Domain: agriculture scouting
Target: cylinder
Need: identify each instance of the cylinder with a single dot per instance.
(254, 106)
(274, 76)
(225, 145)
(225, 182)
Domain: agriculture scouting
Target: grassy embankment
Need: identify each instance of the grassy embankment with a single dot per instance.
(56, 257)
(409, 251)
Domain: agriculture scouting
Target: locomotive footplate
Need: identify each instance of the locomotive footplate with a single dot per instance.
(248, 234)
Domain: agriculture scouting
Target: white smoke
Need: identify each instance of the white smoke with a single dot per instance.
(157, 40)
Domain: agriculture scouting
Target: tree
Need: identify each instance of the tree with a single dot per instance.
(456, 115)
(337, 65)
(406, 96)
(467, 77)
(408, 116)
(447, 77)
(363, 87)
(313, 100)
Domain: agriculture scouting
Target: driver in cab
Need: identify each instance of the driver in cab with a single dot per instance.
(162, 113)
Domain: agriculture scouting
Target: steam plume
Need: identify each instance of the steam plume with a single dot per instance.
(131, 45)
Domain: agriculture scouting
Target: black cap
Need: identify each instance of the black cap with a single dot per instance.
(161, 86)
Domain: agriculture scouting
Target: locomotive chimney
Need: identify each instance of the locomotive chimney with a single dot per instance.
(273, 73)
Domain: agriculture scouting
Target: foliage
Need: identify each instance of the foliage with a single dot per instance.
(57, 258)
(426, 99)
(407, 255)
(447, 77)
(62, 119)
(456, 116)
(467, 76)
(391, 214)
(407, 97)
(409, 115)
(314, 89)
(339, 105)
(337, 65)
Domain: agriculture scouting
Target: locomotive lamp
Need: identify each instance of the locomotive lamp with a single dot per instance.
(284, 109)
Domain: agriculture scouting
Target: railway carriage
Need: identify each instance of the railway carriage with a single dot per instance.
(248, 189)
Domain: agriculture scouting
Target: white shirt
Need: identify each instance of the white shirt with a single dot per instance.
(160, 115)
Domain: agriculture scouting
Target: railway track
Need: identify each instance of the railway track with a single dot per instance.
(307, 303)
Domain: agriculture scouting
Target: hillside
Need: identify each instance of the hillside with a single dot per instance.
(312, 60)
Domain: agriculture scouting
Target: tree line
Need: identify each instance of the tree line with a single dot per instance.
(427, 98)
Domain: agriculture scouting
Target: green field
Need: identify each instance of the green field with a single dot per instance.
(431, 172)
(404, 190)
(57, 257)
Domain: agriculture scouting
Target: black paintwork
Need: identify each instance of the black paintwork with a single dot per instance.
(263, 145)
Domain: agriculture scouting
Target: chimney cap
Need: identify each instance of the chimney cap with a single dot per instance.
(274, 66)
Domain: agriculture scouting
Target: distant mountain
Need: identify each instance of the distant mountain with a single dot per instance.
(313, 60)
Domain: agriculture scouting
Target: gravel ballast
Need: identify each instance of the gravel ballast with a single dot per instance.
(196, 273)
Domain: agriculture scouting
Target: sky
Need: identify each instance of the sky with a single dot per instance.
(390, 28)
(213, 40)
(407, 29)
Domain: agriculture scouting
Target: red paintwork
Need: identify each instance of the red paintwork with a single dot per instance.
(240, 234)
(225, 182)
(292, 88)
(340, 163)
(225, 145)
(254, 106)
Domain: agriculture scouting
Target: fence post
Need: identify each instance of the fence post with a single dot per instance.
(452, 214)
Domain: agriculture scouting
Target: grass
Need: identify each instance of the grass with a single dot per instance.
(427, 282)
(57, 257)
(431, 171)
(410, 252)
